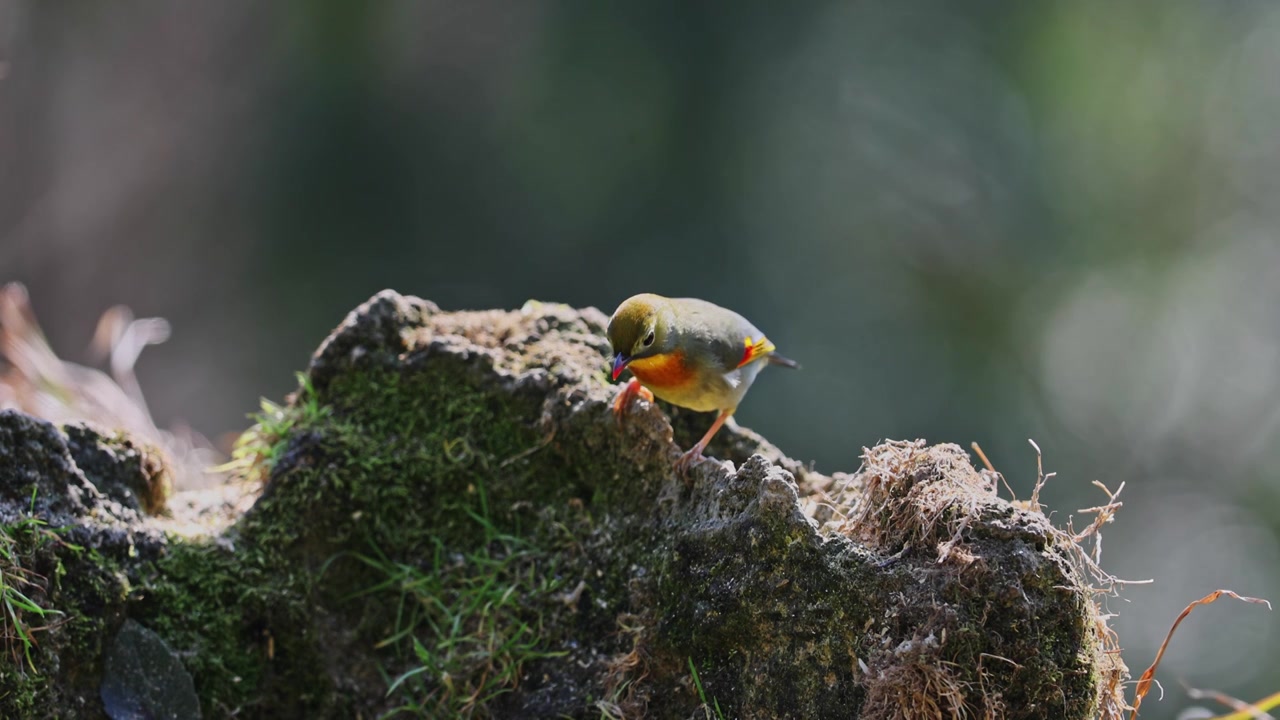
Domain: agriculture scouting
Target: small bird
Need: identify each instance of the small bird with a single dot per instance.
(690, 353)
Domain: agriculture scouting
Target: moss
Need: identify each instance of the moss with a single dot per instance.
(249, 625)
(734, 594)
(433, 447)
(380, 465)
(428, 446)
(208, 604)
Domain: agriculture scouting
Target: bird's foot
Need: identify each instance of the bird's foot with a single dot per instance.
(690, 459)
(629, 392)
(694, 456)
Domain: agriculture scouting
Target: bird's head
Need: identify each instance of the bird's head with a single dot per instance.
(639, 328)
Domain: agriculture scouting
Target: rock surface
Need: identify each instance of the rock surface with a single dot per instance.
(453, 524)
(144, 679)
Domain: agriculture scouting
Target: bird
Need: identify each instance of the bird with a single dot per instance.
(688, 352)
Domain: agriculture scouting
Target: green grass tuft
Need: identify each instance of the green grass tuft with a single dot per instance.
(463, 622)
(258, 448)
(702, 695)
(17, 633)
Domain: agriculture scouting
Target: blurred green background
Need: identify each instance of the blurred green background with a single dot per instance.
(975, 221)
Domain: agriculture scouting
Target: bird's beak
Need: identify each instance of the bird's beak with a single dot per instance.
(619, 364)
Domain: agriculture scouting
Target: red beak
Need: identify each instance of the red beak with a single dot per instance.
(619, 364)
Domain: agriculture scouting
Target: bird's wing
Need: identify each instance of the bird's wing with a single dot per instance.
(730, 339)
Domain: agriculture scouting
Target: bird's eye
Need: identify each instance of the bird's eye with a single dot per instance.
(648, 339)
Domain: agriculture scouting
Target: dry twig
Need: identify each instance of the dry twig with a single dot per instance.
(1148, 677)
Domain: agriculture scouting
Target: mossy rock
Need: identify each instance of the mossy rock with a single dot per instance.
(453, 524)
(68, 559)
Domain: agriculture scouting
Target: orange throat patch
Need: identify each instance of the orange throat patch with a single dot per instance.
(662, 371)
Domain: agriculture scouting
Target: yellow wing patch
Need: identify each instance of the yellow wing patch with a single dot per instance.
(755, 348)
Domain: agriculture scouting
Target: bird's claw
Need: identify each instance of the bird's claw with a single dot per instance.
(629, 392)
(690, 459)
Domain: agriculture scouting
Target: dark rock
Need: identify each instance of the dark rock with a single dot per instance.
(121, 468)
(144, 679)
(37, 472)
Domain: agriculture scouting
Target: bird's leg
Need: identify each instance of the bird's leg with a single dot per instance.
(622, 403)
(695, 453)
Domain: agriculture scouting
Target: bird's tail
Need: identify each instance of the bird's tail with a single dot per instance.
(776, 359)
